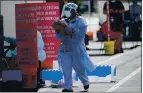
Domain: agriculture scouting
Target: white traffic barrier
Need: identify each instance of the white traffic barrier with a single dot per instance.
(102, 73)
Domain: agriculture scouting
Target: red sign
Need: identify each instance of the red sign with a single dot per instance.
(29, 19)
(46, 14)
(26, 35)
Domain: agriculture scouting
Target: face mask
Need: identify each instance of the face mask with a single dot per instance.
(67, 14)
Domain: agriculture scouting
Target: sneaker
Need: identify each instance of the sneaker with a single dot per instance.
(86, 87)
(66, 90)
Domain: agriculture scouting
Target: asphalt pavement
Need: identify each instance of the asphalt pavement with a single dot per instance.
(128, 78)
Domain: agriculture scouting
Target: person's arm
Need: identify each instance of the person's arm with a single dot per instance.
(117, 11)
(80, 29)
(60, 36)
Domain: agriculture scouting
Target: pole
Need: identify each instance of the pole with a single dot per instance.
(89, 9)
(0, 7)
(108, 19)
(25, 1)
(1, 40)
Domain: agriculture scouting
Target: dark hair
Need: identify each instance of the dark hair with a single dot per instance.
(74, 14)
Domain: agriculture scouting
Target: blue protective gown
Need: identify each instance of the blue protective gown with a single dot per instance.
(40, 44)
(72, 53)
(12, 52)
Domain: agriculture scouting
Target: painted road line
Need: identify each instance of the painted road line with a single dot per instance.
(124, 80)
(117, 56)
(44, 89)
(56, 66)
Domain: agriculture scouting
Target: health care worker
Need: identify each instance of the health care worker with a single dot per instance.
(72, 51)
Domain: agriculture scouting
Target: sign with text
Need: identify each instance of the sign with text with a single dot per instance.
(26, 35)
(30, 18)
(46, 14)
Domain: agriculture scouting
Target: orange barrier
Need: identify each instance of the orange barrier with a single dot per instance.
(90, 35)
(47, 64)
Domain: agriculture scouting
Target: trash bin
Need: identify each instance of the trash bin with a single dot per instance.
(109, 47)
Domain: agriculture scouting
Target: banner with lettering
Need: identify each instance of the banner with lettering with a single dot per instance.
(46, 14)
(30, 18)
(26, 35)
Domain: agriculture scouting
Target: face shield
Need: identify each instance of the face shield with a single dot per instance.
(67, 9)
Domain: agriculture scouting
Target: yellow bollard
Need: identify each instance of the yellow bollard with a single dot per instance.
(109, 47)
